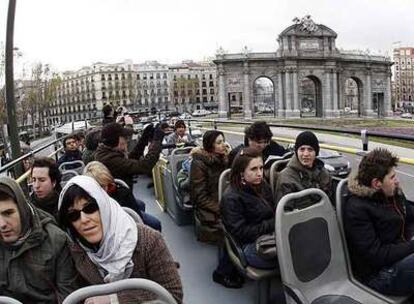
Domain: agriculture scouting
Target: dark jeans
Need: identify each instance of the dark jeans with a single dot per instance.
(225, 266)
(397, 280)
(151, 221)
(254, 260)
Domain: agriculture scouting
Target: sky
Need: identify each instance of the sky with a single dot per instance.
(69, 34)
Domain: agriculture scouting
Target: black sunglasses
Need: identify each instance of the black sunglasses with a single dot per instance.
(90, 208)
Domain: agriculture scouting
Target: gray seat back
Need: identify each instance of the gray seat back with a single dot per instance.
(309, 244)
(224, 181)
(275, 169)
(120, 182)
(7, 300)
(66, 176)
(134, 215)
(79, 166)
(104, 289)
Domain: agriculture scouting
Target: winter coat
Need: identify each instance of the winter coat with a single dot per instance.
(273, 148)
(48, 204)
(183, 176)
(125, 168)
(295, 177)
(40, 269)
(69, 156)
(152, 261)
(92, 140)
(378, 229)
(204, 175)
(107, 120)
(247, 214)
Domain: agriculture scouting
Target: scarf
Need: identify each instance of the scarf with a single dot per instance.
(114, 254)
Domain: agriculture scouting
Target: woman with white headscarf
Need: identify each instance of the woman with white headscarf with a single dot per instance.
(109, 246)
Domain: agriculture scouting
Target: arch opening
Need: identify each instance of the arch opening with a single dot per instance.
(263, 96)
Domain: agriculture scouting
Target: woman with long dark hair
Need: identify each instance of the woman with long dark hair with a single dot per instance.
(247, 207)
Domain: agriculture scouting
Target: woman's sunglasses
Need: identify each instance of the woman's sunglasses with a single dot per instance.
(90, 208)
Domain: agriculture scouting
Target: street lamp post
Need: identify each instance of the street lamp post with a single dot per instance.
(10, 102)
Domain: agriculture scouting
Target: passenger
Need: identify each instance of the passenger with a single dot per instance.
(178, 137)
(247, 206)
(108, 114)
(36, 266)
(207, 165)
(121, 194)
(109, 246)
(379, 226)
(259, 137)
(304, 171)
(80, 140)
(112, 152)
(93, 137)
(71, 153)
(183, 176)
(46, 185)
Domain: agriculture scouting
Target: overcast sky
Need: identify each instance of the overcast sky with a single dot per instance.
(69, 34)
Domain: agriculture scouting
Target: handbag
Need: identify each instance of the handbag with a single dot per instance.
(266, 246)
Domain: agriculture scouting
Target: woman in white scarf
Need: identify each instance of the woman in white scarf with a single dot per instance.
(109, 246)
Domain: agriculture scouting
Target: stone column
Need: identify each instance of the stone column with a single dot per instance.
(296, 107)
(335, 111)
(387, 96)
(327, 95)
(367, 107)
(247, 106)
(280, 104)
(223, 102)
(288, 93)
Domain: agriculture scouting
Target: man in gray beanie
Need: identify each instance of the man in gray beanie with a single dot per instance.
(304, 171)
(35, 261)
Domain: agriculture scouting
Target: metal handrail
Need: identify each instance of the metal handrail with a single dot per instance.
(320, 128)
(8, 300)
(105, 289)
(29, 154)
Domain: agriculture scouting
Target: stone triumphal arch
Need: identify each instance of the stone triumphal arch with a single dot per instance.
(306, 76)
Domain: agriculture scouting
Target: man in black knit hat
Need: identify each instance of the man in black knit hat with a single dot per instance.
(304, 171)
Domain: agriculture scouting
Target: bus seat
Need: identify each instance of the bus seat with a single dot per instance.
(66, 176)
(275, 170)
(177, 157)
(76, 165)
(7, 300)
(342, 195)
(224, 181)
(81, 294)
(134, 215)
(311, 254)
(120, 182)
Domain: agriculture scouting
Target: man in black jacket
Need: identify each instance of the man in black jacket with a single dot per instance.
(259, 137)
(112, 152)
(379, 226)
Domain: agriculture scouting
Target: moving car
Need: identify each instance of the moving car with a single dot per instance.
(335, 163)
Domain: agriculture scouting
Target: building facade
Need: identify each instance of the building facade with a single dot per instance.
(307, 54)
(193, 86)
(403, 74)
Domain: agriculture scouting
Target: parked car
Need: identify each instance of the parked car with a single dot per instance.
(407, 115)
(185, 116)
(335, 163)
(202, 112)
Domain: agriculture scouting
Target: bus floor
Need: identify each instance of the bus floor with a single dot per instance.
(197, 260)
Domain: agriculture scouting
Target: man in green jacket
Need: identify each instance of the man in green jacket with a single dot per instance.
(35, 261)
(304, 171)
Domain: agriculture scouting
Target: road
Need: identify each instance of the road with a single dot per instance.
(405, 172)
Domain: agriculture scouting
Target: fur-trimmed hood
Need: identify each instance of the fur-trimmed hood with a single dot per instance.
(208, 158)
(367, 192)
(359, 190)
